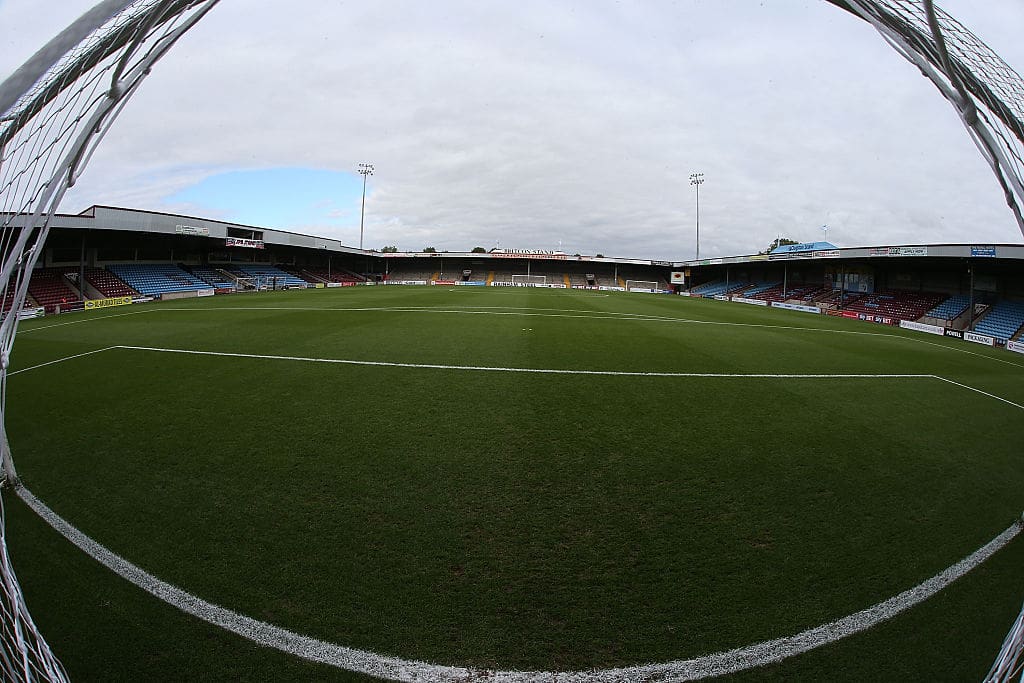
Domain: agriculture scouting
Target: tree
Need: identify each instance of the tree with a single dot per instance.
(429, 250)
(478, 250)
(390, 249)
(778, 242)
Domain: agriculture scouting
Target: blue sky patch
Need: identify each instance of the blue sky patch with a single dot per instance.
(284, 198)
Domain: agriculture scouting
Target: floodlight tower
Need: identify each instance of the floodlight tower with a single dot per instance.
(697, 179)
(364, 170)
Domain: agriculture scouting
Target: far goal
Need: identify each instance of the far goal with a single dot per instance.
(642, 286)
(529, 280)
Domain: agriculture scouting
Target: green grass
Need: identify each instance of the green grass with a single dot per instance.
(510, 520)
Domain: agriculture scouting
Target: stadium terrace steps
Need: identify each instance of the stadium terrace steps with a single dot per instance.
(1003, 320)
(50, 289)
(265, 273)
(894, 303)
(952, 308)
(157, 278)
(107, 284)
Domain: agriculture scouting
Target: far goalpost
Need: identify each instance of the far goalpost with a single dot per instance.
(529, 280)
(642, 286)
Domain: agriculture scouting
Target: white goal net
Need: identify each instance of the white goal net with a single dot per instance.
(54, 110)
(642, 286)
(529, 280)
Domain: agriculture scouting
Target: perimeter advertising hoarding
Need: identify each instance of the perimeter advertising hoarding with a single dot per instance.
(106, 303)
(921, 327)
(979, 338)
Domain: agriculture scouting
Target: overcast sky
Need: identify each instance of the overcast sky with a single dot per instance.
(570, 124)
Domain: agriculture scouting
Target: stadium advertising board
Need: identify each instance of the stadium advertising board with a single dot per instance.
(471, 283)
(899, 251)
(608, 288)
(979, 338)
(985, 251)
(954, 333)
(192, 230)
(205, 292)
(921, 327)
(1015, 346)
(827, 253)
(752, 302)
(106, 303)
(879, 319)
(678, 277)
(446, 283)
(243, 242)
(26, 313)
(796, 307)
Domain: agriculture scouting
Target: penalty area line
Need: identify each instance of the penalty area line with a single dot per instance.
(542, 371)
(394, 668)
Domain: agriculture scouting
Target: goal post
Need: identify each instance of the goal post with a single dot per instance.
(529, 280)
(642, 286)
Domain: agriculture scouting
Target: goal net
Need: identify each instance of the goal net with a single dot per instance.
(642, 286)
(54, 110)
(529, 280)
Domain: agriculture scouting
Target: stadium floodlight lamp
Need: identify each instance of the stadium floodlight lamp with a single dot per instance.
(364, 170)
(697, 179)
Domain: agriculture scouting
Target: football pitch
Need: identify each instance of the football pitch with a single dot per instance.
(513, 479)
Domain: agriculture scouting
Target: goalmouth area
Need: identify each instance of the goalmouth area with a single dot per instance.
(318, 461)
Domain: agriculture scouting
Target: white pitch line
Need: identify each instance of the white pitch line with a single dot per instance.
(60, 360)
(539, 371)
(396, 669)
(79, 321)
(983, 393)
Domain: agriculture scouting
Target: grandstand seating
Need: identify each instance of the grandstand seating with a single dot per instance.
(334, 275)
(213, 277)
(1003, 321)
(898, 304)
(157, 278)
(952, 308)
(266, 273)
(718, 287)
(837, 296)
(107, 284)
(49, 287)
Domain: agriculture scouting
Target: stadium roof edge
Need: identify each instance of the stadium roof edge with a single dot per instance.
(105, 217)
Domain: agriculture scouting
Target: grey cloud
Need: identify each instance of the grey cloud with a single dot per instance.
(533, 123)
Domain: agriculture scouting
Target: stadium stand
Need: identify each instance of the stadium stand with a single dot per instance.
(268, 274)
(952, 308)
(154, 279)
(719, 287)
(895, 303)
(50, 289)
(213, 277)
(1003, 321)
(107, 284)
(334, 275)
